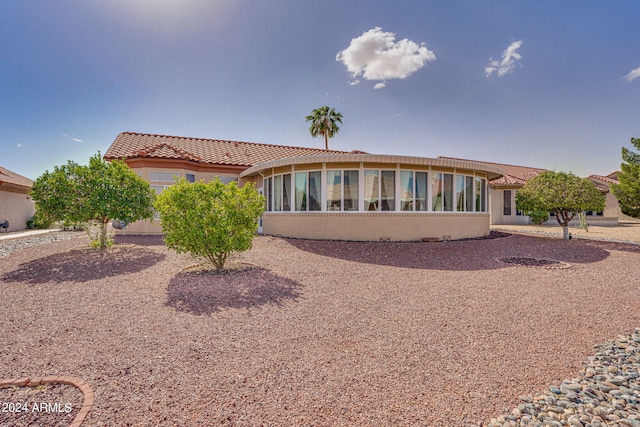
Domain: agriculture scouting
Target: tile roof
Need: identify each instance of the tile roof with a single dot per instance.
(603, 182)
(6, 176)
(513, 175)
(130, 145)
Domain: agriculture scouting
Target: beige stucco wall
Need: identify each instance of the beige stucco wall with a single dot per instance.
(153, 227)
(496, 207)
(610, 215)
(17, 208)
(374, 226)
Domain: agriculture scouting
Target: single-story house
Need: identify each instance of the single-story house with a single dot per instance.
(325, 194)
(16, 206)
(502, 195)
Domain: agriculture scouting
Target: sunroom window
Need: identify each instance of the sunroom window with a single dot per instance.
(307, 191)
(342, 190)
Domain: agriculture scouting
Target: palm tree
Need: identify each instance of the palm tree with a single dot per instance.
(324, 122)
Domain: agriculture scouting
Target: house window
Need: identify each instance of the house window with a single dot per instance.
(448, 192)
(277, 193)
(464, 193)
(379, 190)
(301, 191)
(158, 188)
(334, 186)
(506, 203)
(268, 189)
(481, 195)
(342, 190)
(307, 189)
(163, 176)
(286, 192)
(190, 177)
(436, 191)
(442, 191)
(413, 187)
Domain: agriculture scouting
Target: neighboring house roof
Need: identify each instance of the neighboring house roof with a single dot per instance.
(130, 145)
(12, 179)
(614, 175)
(603, 182)
(513, 175)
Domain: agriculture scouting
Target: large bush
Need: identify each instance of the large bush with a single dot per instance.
(97, 193)
(211, 220)
(562, 193)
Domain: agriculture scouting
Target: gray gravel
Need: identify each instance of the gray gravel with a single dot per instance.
(318, 333)
(8, 246)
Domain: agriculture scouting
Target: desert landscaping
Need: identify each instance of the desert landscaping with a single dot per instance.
(304, 332)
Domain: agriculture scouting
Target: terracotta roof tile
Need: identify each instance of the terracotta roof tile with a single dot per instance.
(13, 178)
(129, 145)
(513, 175)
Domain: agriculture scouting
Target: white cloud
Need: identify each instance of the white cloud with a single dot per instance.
(376, 56)
(19, 145)
(354, 82)
(77, 140)
(379, 85)
(633, 74)
(66, 135)
(508, 62)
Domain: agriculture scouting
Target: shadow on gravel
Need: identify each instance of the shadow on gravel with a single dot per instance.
(460, 255)
(207, 293)
(141, 240)
(84, 265)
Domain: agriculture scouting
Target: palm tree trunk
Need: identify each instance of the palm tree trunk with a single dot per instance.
(326, 141)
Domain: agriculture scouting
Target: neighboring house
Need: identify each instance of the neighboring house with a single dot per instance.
(324, 194)
(16, 206)
(502, 196)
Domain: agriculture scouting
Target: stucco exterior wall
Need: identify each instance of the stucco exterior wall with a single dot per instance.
(206, 175)
(17, 208)
(368, 226)
(496, 207)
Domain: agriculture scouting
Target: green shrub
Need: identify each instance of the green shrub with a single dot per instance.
(211, 220)
(539, 217)
(38, 221)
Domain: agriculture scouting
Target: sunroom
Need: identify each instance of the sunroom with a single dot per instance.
(373, 197)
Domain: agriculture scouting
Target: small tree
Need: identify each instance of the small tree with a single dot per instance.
(562, 193)
(628, 190)
(324, 122)
(97, 193)
(211, 220)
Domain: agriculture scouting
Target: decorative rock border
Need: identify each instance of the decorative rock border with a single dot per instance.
(79, 384)
(607, 393)
(534, 262)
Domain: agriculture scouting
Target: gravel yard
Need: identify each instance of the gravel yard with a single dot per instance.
(314, 333)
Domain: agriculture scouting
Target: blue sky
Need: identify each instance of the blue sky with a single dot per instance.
(552, 84)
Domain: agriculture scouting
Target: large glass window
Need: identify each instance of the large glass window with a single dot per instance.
(421, 192)
(268, 189)
(307, 190)
(370, 190)
(315, 189)
(277, 193)
(388, 191)
(468, 189)
(481, 195)
(436, 191)
(350, 190)
(342, 190)
(460, 193)
(406, 188)
(334, 188)
(301, 191)
(286, 192)
(464, 193)
(163, 176)
(448, 192)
